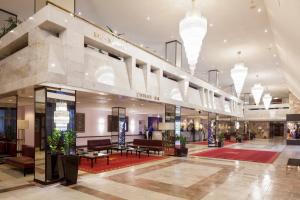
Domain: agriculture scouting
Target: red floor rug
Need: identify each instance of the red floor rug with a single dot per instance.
(206, 143)
(116, 161)
(240, 154)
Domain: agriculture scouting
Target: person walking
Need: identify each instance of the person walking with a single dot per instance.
(150, 132)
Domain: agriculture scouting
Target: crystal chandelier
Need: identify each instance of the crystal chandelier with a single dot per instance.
(257, 91)
(61, 116)
(267, 101)
(192, 29)
(238, 75)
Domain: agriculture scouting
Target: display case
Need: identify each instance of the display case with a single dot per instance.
(293, 129)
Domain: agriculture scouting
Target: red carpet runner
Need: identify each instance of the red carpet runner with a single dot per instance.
(116, 161)
(240, 154)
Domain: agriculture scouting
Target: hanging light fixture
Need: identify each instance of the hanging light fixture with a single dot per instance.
(192, 29)
(238, 75)
(61, 116)
(257, 91)
(267, 100)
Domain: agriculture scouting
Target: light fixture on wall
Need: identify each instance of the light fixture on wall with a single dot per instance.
(61, 116)
(238, 74)
(257, 91)
(267, 100)
(192, 29)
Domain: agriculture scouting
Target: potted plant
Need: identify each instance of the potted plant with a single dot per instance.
(56, 149)
(221, 138)
(238, 138)
(70, 160)
(182, 151)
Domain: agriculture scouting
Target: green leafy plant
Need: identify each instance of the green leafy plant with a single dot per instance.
(182, 140)
(10, 25)
(54, 141)
(221, 137)
(69, 141)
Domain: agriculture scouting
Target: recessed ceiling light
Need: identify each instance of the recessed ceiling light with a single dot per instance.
(71, 14)
(12, 31)
(266, 30)
(225, 41)
(79, 13)
(141, 45)
(53, 65)
(259, 10)
(211, 25)
(66, 21)
(78, 102)
(274, 55)
(102, 93)
(31, 18)
(148, 18)
(86, 74)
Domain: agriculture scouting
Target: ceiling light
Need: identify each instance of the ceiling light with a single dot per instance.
(12, 31)
(141, 45)
(31, 18)
(211, 25)
(267, 101)
(79, 13)
(148, 18)
(257, 91)
(238, 75)
(53, 65)
(274, 55)
(259, 10)
(225, 41)
(192, 29)
(66, 21)
(86, 74)
(102, 93)
(266, 30)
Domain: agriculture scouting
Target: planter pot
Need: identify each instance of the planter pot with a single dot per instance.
(70, 168)
(181, 152)
(220, 144)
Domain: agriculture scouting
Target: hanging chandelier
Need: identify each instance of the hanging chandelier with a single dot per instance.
(238, 75)
(192, 29)
(257, 91)
(61, 116)
(267, 101)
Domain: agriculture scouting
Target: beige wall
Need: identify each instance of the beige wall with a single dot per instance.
(66, 4)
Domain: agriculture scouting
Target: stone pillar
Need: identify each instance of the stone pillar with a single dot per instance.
(55, 111)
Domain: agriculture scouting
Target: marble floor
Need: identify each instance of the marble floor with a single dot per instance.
(177, 178)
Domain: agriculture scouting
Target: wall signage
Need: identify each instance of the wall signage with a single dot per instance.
(106, 38)
(147, 96)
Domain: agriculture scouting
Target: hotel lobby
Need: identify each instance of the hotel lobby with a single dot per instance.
(140, 99)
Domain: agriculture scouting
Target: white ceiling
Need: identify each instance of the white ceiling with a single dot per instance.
(237, 21)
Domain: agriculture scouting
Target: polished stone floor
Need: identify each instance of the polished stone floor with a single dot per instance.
(174, 178)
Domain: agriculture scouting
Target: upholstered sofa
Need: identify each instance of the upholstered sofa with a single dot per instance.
(99, 145)
(25, 162)
(152, 145)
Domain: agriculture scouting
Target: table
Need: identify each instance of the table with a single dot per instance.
(92, 156)
(138, 150)
(119, 148)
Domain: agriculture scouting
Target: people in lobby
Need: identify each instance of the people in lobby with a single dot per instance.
(150, 132)
(193, 133)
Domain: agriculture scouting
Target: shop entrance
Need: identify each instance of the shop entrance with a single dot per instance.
(276, 129)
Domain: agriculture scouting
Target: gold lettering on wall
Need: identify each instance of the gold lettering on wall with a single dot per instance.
(147, 96)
